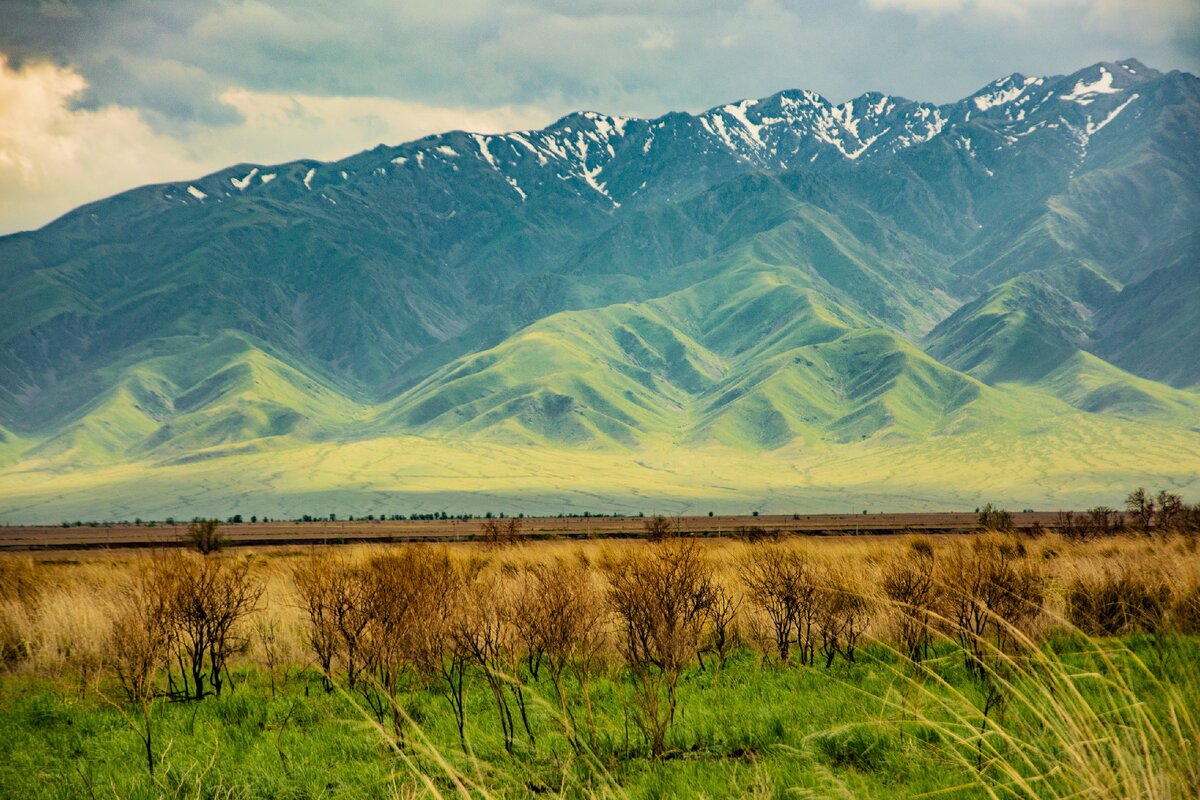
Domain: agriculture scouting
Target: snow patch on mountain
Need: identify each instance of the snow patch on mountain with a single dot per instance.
(1095, 127)
(1085, 93)
(241, 183)
(738, 112)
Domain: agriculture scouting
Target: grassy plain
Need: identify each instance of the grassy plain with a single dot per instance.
(1082, 717)
(1057, 461)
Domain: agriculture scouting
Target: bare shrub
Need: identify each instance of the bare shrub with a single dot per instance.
(318, 583)
(560, 622)
(138, 646)
(722, 615)
(205, 601)
(780, 582)
(205, 536)
(439, 585)
(658, 528)
(1104, 521)
(502, 531)
(995, 519)
(1171, 512)
(991, 589)
(1118, 601)
(843, 612)
(1073, 528)
(661, 597)
(485, 631)
(387, 603)
(1141, 507)
(909, 583)
(268, 630)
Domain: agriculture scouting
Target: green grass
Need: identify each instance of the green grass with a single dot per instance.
(747, 729)
(745, 390)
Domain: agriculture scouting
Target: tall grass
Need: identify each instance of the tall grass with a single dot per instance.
(1001, 658)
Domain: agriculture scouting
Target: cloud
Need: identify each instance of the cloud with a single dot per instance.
(55, 155)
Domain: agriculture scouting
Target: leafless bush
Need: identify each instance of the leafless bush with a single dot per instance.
(780, 582)
(138, 646)
(269, 634)
(486, 632)
(1073, 528)
(440, 585)
(560, 622)
(909, 582)
(391, 624)
(659, 527)
(1114, 602)
(1104, 521)
(661, 598)
(320, 584)
(205, 600)
(1171, 511)
(386, 593)
(502, 531)
(1140, 506)
(722, 615)
(991, 589)
(205, 536)
(843, 612)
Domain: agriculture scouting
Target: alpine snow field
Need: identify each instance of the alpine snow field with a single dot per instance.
(780, 304)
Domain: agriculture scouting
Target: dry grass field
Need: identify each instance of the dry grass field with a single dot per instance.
(970, 665)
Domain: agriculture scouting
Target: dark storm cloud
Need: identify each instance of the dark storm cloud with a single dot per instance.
(173, 60)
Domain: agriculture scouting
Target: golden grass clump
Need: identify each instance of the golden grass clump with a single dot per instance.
(1119, 600)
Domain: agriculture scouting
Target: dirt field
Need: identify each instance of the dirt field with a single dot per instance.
(325, 532)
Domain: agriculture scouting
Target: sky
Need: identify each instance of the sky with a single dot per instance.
(105, 95)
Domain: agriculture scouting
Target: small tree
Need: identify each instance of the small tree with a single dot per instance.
(205, 536)
(1141, 506)
(561, 627)
(1071, 527)
(1171, 511)
(843, 613)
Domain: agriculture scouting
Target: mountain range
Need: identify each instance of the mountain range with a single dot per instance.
(780, 304)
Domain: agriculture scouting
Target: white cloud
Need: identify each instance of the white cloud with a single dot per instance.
(54, 157)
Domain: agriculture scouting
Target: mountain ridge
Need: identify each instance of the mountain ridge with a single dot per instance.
(768, 275)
